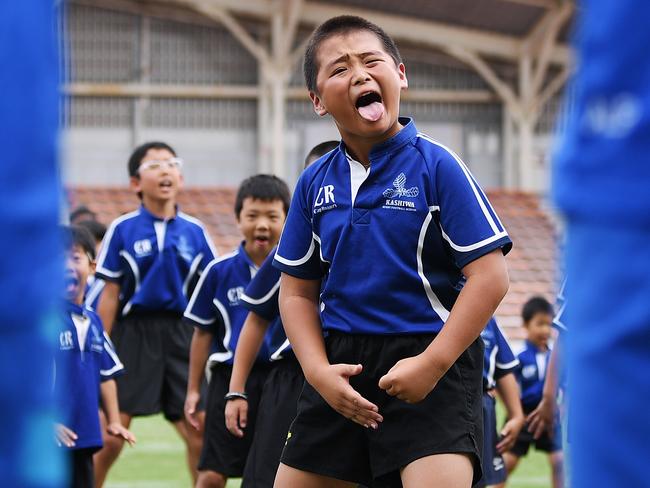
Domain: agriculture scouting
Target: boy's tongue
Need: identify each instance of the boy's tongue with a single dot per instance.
(372, 112)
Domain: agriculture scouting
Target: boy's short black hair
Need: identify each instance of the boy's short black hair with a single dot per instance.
(138, 154)
(534, 306)
(82, 213)
(319, 150)
(96, 228)
(262, 187)
(75, 235)
(342, 24)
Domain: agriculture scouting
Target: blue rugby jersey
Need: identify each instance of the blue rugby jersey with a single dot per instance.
(261, 297)
(499, 359)
(155, 261)
(392, 240)
(531, 374)
(93, 292)
(79, 372)
(216, 304)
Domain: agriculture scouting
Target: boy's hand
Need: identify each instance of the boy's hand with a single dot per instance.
(118, 430)
(542, 418)
(411, 379)
(333, 383)
(236, 416)
(65, 436)
(191, 401)
(509, 434)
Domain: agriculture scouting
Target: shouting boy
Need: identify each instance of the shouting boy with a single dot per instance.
(393, 250)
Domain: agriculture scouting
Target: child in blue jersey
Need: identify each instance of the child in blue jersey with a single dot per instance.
(554, 403)
(86, 367)
(391, 249)
(150, 260)
(277, 407)
(498, 374)
(537, 315)
(217, 314)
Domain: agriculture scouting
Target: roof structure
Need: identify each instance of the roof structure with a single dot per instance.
(531, 263)
(517, 46)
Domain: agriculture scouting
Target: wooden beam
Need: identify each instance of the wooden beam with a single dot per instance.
(292, 15)
(560, 17)
(504, 91)
(400, 27)
(251, 92)
(535, 3)
(229, 22)
(549, 91)
(161, 91)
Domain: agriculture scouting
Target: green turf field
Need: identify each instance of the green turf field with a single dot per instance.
(158, 461)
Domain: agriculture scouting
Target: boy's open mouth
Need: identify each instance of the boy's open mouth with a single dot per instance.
(165, 184)
(71, 282)
(261, 240)
(370, 106)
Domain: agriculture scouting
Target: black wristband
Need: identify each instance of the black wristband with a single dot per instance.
(235, 395)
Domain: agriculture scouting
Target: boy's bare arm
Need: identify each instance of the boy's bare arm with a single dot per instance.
(412, 379)
(509, 392)
(299, 310)
(248, 345)
(108, 390)
(109, 302)
(199, 353)
(542, 418)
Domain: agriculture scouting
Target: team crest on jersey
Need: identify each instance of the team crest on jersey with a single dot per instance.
(142, 247)
(97, 341)
(185, 250)
(234, 295)
(529, 371)
(397, 197)
(324, 199)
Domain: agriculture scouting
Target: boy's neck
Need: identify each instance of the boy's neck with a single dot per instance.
(541, 346)
(256, 256)
(164, 209)
(359, 147)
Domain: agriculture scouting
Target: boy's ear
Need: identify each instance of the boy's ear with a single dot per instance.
(134, 184)
(93, 266)
(319, 108)
(403, 81)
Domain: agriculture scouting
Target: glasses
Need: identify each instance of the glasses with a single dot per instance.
(156, 164)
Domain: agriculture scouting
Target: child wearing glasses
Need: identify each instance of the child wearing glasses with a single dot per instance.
(151, 259)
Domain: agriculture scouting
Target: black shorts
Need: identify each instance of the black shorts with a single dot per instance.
(547, 442)
(80, 465)
(277, 409)
(494, 469)
(223, 452)
(155, 351)
(448, 420)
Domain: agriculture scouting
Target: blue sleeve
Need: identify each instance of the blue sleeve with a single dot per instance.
(208, 250)
(94, 292)
(559, 321)
(201, 311)
(506, 362)
(261, 294)
(298, 252)
(468, 222)
(109, 262)
(111, 366)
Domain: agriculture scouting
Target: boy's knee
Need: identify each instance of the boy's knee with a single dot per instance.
(557, 460)
(113, 443)
(211, 479)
